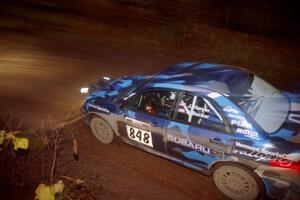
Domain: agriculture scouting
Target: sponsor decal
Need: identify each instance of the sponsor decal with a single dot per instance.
(99, 108)
(201, 115)
(236, 116)
(247, 132)
(295, 156)
(232, 110)
(193, 111)
(195, 146)
(137, 123)
(257, 153)
(200, 109)
(241, 123)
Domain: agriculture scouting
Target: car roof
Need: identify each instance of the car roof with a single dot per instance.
(196, 76)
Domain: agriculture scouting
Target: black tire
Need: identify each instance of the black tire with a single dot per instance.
(238, 182)
(102, 130)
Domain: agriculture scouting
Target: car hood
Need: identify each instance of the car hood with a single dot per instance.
(290, 129)
(118, 88)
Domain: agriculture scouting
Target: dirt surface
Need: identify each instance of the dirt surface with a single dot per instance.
(47, 55)
(127, 173)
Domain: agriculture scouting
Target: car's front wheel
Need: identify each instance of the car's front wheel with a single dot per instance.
(237, 182)
(101, 130)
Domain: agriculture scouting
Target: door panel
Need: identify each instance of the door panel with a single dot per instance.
(198, 134)
(144, 121)
(153, 126)
(199, 147)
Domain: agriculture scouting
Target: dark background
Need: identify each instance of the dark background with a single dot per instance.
(262, 17)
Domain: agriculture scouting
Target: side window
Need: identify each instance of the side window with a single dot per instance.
(157, 102)
(184, 108)
(153, 102)
(199, 111)
(133, 103)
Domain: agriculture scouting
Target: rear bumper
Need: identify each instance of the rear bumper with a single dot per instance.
(280, 183)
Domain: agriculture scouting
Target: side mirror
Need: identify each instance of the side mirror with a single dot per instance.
(122, 103)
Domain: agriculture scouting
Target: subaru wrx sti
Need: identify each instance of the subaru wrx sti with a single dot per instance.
(219, 120)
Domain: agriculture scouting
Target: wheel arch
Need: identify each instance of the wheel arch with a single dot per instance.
(108, 118)
(223, 162)
(249, 167)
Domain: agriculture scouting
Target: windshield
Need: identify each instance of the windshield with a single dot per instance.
(265, 104)
(127, 85)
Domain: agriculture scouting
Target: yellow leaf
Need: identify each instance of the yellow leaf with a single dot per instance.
(20, 143)
(58, 187)
(44, 192)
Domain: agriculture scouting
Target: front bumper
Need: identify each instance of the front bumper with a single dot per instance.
(85, 117)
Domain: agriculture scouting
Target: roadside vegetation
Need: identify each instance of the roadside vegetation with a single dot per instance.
(31, 167)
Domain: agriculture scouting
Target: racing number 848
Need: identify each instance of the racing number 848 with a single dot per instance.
(139, 135)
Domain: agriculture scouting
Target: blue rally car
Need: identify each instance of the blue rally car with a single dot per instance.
(216, 119)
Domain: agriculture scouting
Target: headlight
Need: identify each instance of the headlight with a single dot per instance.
(84, 90)
(106, 78)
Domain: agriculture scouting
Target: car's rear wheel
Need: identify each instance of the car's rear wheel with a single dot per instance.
(101, 130)
(237, 182)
